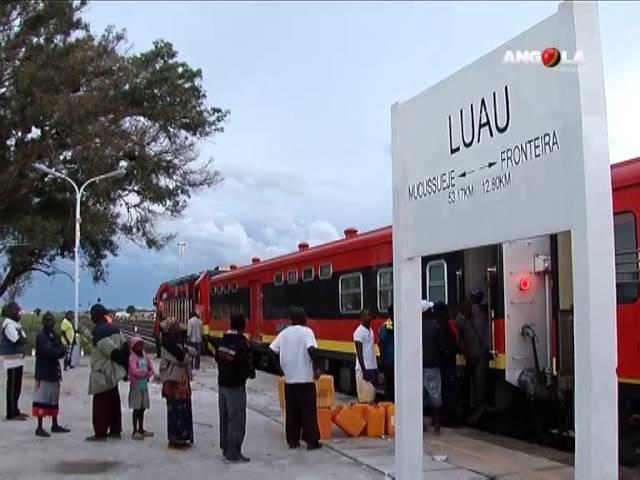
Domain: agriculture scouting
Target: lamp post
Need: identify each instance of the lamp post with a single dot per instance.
(79, 192)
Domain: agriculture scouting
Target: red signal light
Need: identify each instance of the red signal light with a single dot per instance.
(524, 284)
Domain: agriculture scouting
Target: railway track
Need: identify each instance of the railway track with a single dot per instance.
(140, 328)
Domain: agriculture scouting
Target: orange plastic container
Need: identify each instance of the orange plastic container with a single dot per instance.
(336, 411)
(325, 392)
(391, 420)
(376, 419)
(280, 383)
(324, 422)
(360, 409)
(350, 422)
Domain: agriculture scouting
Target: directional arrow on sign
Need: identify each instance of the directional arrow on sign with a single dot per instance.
(489, 165)
(465, 173)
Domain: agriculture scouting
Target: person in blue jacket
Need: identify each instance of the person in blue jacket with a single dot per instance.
(386, 345)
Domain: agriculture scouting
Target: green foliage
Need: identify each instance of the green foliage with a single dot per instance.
(32, 325)
(80, 104)
(131, 310)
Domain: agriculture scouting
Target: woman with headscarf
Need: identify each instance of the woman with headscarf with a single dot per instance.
(175, 374)
(106, 371)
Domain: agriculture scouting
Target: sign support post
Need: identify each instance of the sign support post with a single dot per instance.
(408, 348)
(596, 384)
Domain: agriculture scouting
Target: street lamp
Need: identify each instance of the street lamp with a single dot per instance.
(79, 192)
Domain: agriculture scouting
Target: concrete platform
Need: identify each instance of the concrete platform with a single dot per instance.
(23, 456)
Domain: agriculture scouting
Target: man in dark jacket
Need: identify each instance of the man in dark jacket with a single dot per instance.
(448, 366)
(386, 343)
(235, 366)
(433, 353)
(48, 375)
(475, 339)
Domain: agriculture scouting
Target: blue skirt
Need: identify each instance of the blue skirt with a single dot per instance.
(179, 421)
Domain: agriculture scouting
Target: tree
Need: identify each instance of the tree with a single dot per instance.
(131, 310)
(81, 105)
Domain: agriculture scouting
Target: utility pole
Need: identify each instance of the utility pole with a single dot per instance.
(181, 247)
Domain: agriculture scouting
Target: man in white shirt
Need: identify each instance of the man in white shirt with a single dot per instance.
(296, 348)
(366, 363)
(194, 338)
(12, 345)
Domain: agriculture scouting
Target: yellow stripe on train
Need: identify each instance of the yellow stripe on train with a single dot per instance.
(497, 363)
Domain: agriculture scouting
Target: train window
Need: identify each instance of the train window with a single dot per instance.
(234, 287)
(350, 293)
(626, 250)
(385, 289)
(278, 278)
(307, 274)
(437, 281)
(325, 271)
(292, 277)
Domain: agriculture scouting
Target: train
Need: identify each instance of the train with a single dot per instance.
(529, 294)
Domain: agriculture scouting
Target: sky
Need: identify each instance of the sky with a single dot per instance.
(306, 151)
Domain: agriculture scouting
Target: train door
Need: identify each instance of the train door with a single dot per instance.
(481, 271)
(528, 306)
(255, 314)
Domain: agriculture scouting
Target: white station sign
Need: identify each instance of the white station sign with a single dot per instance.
(493, 149)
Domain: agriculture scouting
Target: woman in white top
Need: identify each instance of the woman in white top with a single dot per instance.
(296, 347)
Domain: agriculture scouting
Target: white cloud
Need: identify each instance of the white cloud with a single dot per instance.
(623, 103)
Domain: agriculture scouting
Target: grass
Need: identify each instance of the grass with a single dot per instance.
(32, 325)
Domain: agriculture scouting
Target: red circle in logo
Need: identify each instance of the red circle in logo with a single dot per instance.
(550, 57)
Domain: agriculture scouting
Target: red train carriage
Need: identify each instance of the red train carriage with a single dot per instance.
(527, 282)
(177, 298)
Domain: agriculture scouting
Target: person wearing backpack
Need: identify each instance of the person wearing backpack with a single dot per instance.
(109, 359)
(235, 366)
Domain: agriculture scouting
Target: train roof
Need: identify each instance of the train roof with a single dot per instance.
(351, 241)
(185, 279)
(623, 174)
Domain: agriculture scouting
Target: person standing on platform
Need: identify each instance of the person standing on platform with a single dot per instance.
(140, 372)
(474, 330)
(68, 338)
(175, 374)
(296, 346)
(194, 338)
(366, 363)
(432, 358)
(235, 366)
(107, 369)
(48, 375)
(386, 345)
(12, 346)
(157, 333)
(448, 366)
